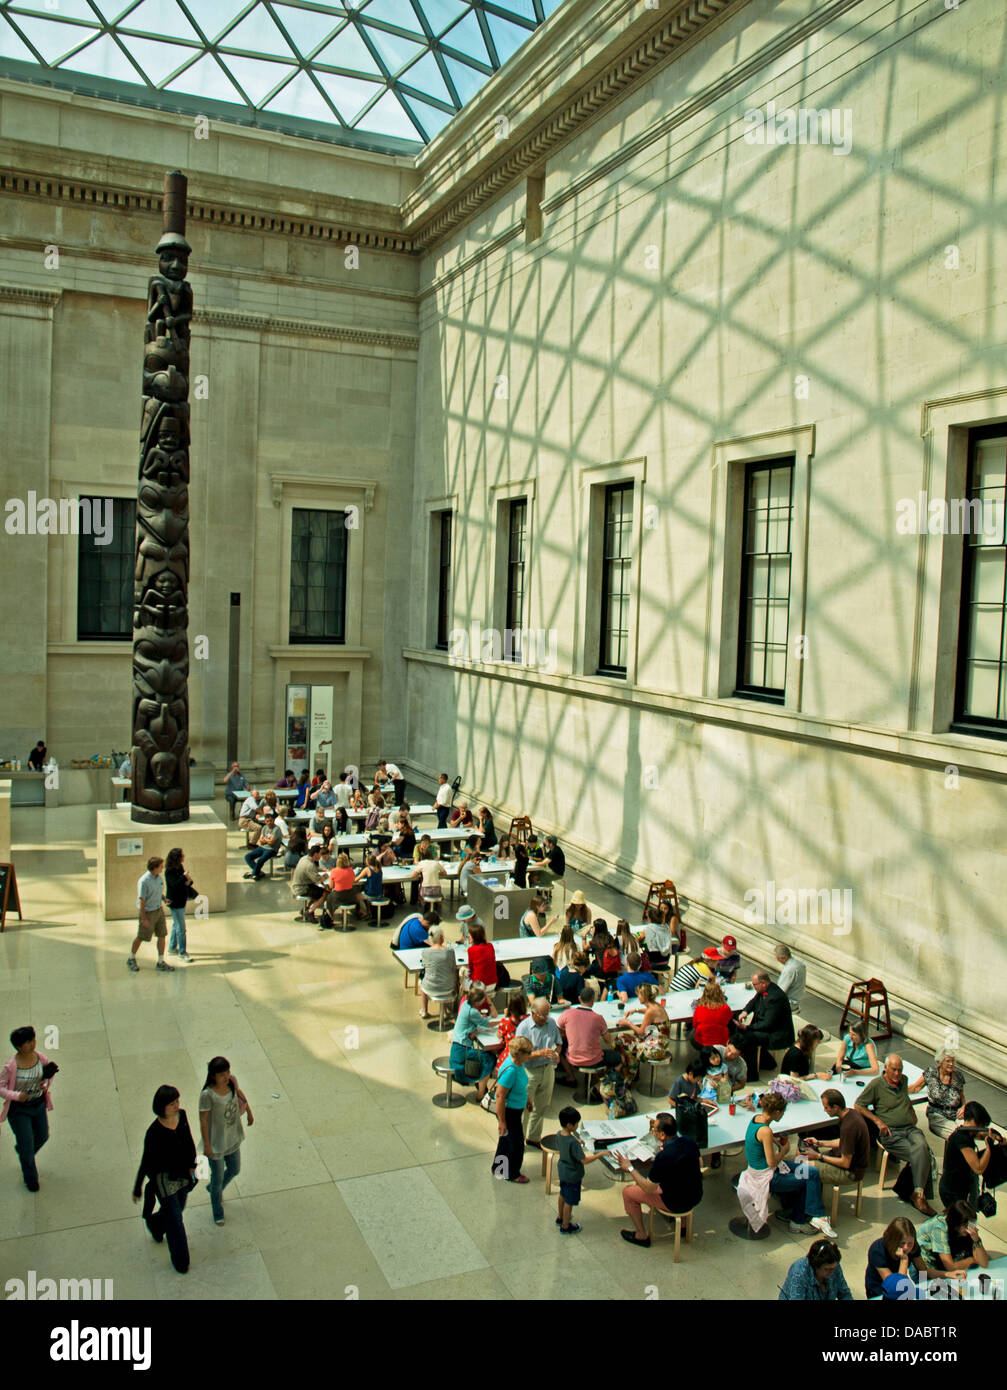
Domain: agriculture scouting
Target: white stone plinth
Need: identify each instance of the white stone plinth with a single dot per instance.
(203, 838)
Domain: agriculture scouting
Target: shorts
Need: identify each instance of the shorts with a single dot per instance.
(155, 925)
(570, 1192)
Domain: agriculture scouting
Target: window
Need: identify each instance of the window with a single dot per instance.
(765, 580)
(981, 694)
(444, 581)
(105, 574)
(318, 576)
(517, 534)
(617, 544)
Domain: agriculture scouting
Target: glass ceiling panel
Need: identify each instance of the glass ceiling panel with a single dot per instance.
(380, 48)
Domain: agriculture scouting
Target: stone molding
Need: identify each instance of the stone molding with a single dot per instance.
(278, 481)
(267, 323)
(28, 294)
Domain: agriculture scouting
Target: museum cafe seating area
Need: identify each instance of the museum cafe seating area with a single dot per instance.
(354, 1176)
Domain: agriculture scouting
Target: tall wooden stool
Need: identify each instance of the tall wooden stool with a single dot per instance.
(864, 997)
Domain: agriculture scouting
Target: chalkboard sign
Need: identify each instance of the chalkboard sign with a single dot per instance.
(9, 896)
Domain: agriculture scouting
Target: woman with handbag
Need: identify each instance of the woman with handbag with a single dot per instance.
(511, 1103)
(178, 890)
(222, 1103)
(24, 1085)
(472, 1064)
(169, 1165)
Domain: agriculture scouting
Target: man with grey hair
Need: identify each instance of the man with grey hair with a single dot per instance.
(885, 1103)
(793, 976)
(440, 971)
(541, 1031)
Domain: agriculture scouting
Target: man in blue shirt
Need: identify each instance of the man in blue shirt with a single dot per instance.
(816, 1278)
(415, 930)
(324, 796)
(625, 985)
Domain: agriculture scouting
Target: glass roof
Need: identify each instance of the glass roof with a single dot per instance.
(379, 74)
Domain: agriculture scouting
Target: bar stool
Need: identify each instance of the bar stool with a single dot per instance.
(653, 1063)
(508, 992)
(587, 1073)
(682, 1221)
(344, 909)
(550, 1152)
(865, 996)
(443, 1020)
(447, 1100)
(377, 904)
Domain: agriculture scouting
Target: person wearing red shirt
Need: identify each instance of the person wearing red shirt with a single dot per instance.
(482, 958)
(712, 1018)
(342, 881)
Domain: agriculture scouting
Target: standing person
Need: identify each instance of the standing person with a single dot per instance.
(24, 1086)
(235, 788)
(36, 758)
(963, 1165)
(169, 1165)
(793, 974)
(398, 783)
(541, 1031)
(520, 871)
(344, 792)
(149, 896)
(946, 1093)
(442, 801)
(222, 1103)
(885, 1103)
(816, 1277)
(178, 890)
(675, 1181)
(511, 1101)
(570, 1168)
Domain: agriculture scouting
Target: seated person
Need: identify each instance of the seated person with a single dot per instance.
(296, 848)
(303, 788)
(460, 815)
(730, 961)
(318, 822)
(570, 980)
(964, 1166)
(765, 1153)
(842, 1160)
(696, 972)
(425, 849)
(945, 1091)
(765, 1024)
(675, 1182)
(894, 1252)
(586, 1034)
(646, 1041)
(322, 796)
(345, 893)
(370, 879)
(520, 871)
(578, 911)
(440, 970)
(711, 1018)
(601, 950)
(540, 982)
(627, 984)
(951, 1241)
(816, 1277)
(689, 1083)
(660, 927)
(270, 843)
(857, 1055)
(415, 931)
(469, 1022)
(482, 961)
(427, 878)
(404, 839)
(307, 881)
(736, 1067)
(287, 780)
(717, 1079)
(248, 815)
(886, 1105)
(531, 922)
(799, 1059)
(486, 829)
(551, 865)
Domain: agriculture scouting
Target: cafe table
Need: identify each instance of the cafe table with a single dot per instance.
(513, 949)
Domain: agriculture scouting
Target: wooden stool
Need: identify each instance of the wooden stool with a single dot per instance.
(447, 1100)
(587, 1073)
(520, 829)
(550, 1152)
(858, 1192)
(682, 1220)
(885, 1156)
(865, 996)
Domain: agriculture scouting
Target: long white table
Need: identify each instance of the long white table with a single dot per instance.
(511, 949)
(679, 1004)
(726, 1130)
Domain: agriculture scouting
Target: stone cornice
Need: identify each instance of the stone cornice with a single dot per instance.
(308, 328)
(28, 294)
(690, 20)
(278, 481)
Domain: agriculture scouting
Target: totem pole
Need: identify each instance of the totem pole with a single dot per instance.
(161, 576)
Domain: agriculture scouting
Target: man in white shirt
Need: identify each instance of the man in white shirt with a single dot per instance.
(246, 816)
(126, 766)
(398, 783)
(442, 801)
(343, 791)
(793, 976)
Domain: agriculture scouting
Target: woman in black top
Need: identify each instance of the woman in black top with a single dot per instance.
(800, 1058)
(963, 1164)
(486, 829)
(169, 1165)
(178, 890)
(520, 865)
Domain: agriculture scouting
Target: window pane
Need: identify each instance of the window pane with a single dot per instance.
(318, 576)
(765, 593)
(617, 540)
(105, 574)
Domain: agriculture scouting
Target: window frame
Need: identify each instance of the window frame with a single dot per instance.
(963, 723)
(442, 633)
(588, 521)
(106, 552)
(605, 630)
(775, 695)
(512, 622)
(316, 639)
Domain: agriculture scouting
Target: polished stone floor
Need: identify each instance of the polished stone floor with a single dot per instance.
(353, 1184)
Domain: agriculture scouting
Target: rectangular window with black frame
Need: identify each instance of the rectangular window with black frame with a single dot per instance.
(616, 556)
(764, 614)
(517, 537)
(105, 575)
(318, 576)
(981, 687)
(443, 581)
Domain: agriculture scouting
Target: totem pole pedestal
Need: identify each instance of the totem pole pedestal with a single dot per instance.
(124, 848)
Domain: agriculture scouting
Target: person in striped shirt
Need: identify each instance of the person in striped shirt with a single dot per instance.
(697, 972)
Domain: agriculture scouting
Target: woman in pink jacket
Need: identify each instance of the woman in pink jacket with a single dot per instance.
(24, 1086)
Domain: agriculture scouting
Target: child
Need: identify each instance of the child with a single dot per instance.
(571, 1168)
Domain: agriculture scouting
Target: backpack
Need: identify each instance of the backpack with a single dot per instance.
(611, 962)
(617, 1095)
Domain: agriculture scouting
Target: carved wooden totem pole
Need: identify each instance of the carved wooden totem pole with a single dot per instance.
(161, 576)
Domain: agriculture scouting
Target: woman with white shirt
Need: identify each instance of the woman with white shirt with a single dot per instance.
(429, 872)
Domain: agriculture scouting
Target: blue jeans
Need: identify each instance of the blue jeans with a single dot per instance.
(258, 858)
(222, 1171)
(807, 1193)
(177, 942)
(167, 1221)
(30, 1124)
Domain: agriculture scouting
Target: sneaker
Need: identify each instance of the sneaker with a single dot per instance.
(784, 1218)
(183, 955)
(172, 950)
(822, 1223)
(532, 1144)
(163, 965)
(521, 1178)
(569, 1230)
(248, 875)
(131, 963)
(218, 1221)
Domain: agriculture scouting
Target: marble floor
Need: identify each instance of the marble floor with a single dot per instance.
(353, 1185)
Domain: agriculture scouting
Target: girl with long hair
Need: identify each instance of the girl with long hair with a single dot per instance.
(222, 1103)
